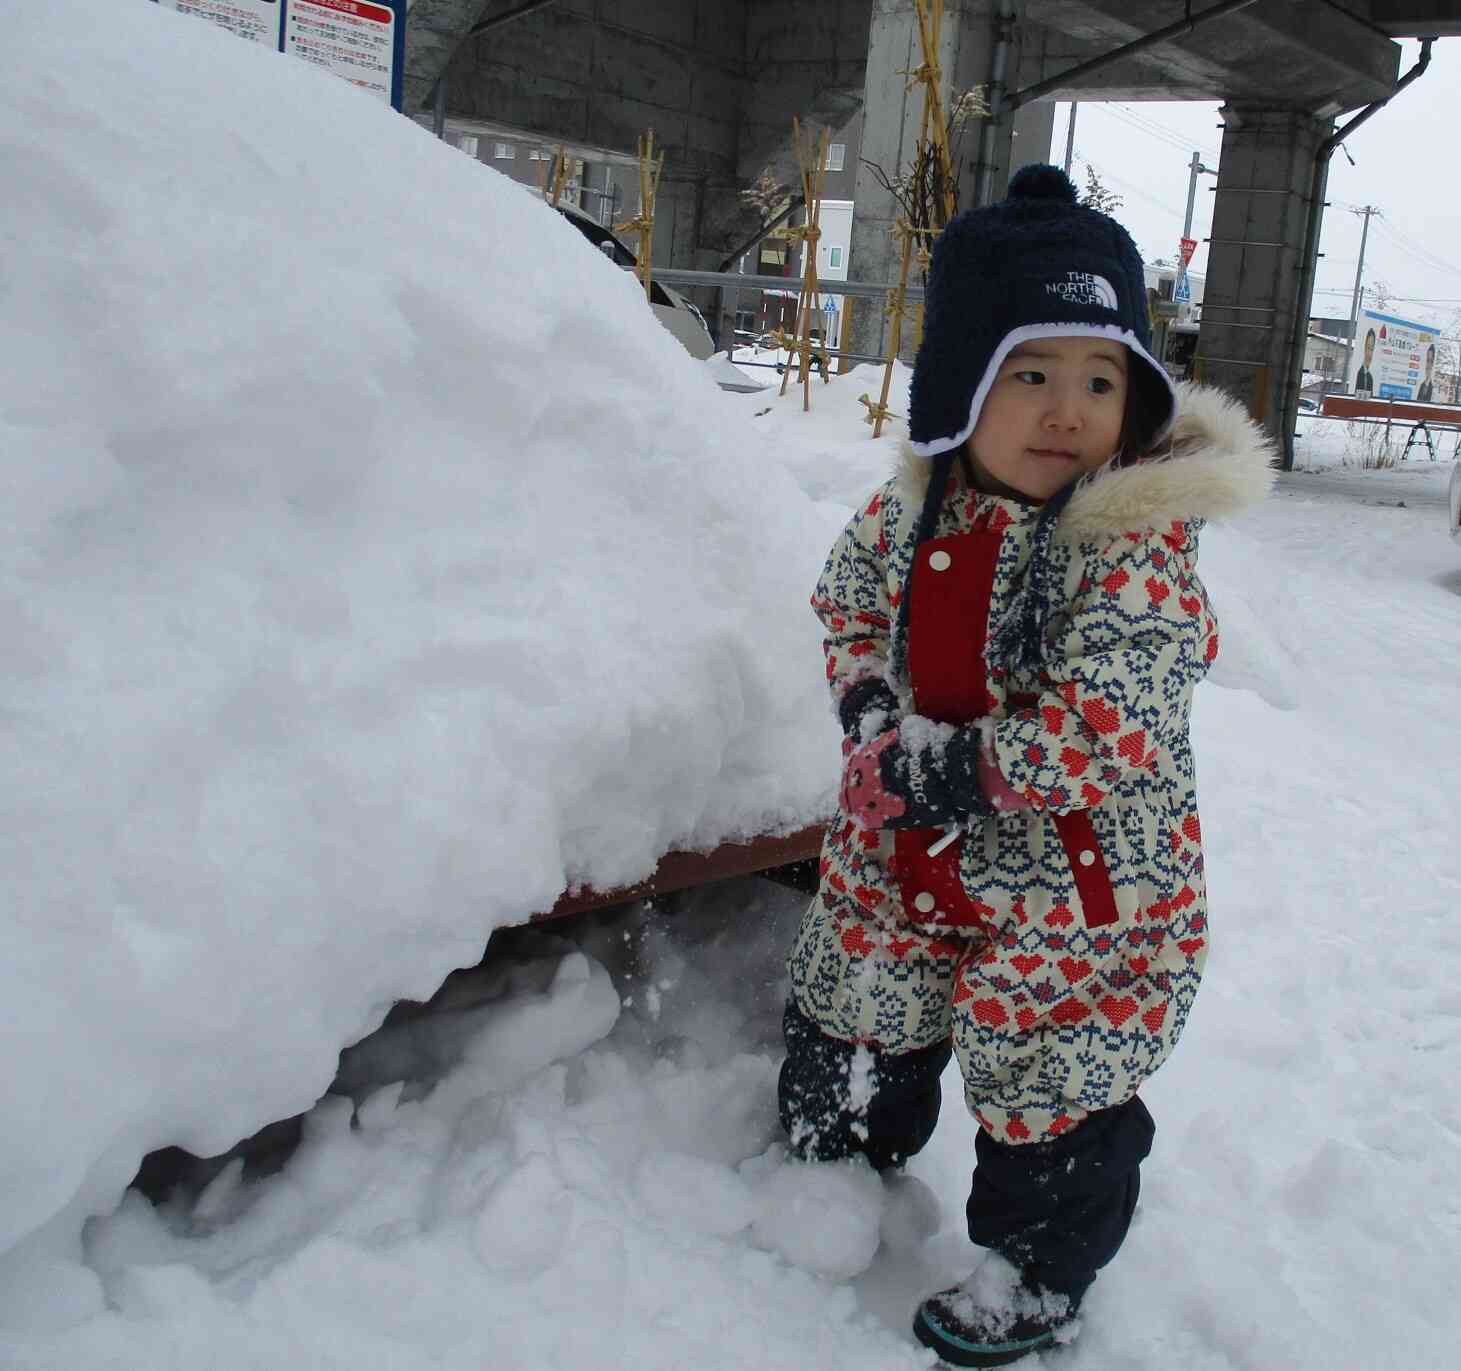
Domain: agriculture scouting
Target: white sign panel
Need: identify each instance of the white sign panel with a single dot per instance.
(1395, 358)
(257, 20)
(352, 38)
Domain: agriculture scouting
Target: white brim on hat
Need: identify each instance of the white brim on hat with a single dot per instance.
(1024, 334)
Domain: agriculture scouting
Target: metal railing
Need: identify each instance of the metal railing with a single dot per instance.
(1422, 430)
(736, 282)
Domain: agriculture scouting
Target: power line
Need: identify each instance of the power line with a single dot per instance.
(1136, 190)
(1421, 254)
(1156, 130)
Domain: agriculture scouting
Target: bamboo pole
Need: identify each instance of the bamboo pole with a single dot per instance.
(555, 181)
(844, 342)
(643, 223)
(812, 161)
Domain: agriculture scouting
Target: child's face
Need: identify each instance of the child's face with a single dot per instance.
(1054, 412)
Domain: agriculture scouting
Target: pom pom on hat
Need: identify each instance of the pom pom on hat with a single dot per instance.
(1039, 181)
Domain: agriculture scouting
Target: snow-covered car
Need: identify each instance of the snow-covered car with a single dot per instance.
(671, 308)
(1455, 502)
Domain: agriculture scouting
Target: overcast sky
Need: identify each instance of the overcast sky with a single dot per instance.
(1406, 165)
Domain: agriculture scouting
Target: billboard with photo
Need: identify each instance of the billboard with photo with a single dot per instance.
(1393, 359)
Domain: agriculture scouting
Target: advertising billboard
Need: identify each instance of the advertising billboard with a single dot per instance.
(360, 40)
(1393, 359)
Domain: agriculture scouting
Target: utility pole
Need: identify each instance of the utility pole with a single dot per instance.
(1354, 308)
(1070, 138)
(1196, 169)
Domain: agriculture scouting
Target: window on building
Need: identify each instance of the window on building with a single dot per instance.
(834, 257)
(468, 143)
(537, 155)
(836, 155)
(504, 152)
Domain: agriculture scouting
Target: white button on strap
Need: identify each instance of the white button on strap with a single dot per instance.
(1087, 858)
(940, 560)
(924, 902)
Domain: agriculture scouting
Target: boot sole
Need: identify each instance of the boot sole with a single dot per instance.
(960, 1352)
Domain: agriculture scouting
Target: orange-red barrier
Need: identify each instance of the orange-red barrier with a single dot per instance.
(681, 870)
(1407, 411)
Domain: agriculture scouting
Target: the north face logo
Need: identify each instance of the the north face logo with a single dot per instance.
(1083, 288)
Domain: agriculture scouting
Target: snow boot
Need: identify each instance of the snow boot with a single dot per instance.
(993, 1318)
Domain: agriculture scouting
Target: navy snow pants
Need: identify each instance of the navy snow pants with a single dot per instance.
(1058, 1210)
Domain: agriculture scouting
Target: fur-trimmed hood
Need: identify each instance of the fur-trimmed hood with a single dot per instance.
(1215, 463)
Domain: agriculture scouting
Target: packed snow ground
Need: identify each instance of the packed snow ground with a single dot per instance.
(355, 602)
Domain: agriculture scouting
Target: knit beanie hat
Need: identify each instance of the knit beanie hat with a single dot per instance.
(1038, 263)
(1035, 264)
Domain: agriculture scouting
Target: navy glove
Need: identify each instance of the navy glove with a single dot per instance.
(913, 777)
(865, 698)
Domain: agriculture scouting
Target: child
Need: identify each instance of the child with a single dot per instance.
(1014, 630)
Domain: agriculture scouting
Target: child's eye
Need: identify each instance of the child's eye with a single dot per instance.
(1100, 385)
(1030, 378)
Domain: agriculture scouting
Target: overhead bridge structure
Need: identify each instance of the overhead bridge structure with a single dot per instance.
(719, 81)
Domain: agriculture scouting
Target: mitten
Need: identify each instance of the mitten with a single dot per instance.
(918, 775)
(868, 701)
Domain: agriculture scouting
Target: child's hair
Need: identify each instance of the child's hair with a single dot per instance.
(1147, 404)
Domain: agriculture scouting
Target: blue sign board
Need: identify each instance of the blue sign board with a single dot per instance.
(363, 41)
(1183, 293)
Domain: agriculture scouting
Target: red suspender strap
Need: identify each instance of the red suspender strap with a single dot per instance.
(1088, 866)
(952, 581)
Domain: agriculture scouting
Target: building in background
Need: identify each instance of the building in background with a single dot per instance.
(602, 182)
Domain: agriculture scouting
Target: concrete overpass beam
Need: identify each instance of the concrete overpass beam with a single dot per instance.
(803, 61)
(891, 116)
(434, 31)
(1253, 271)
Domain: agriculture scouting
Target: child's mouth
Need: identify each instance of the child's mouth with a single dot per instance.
(1053, 452)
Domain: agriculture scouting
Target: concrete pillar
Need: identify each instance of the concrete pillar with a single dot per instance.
(1253, 266)
(891, 116)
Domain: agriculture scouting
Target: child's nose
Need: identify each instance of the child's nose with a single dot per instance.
(1065, 408)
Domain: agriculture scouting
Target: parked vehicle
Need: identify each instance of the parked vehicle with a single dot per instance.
(671, 308)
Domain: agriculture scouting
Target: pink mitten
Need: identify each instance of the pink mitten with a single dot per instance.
(997, 790)
(864, 798)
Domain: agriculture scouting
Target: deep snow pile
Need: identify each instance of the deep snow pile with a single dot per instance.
(359, 587)
(372, 567)
(597, 1180)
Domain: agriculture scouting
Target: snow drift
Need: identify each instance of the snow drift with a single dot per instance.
(373, 567)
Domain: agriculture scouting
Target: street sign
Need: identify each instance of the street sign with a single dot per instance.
(356, 39)
(1187, 246)
(1183, 293)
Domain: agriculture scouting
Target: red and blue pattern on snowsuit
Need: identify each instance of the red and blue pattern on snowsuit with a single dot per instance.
(1060, 946)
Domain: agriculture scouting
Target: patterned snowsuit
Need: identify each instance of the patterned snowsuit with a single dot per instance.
(1060, 946)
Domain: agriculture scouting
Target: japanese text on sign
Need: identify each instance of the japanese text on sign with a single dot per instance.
(352, 38)
(257, 20)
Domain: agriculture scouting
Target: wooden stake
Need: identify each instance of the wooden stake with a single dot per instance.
(844, 343)
(812, 159)
(649, 173)
(558, 178)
